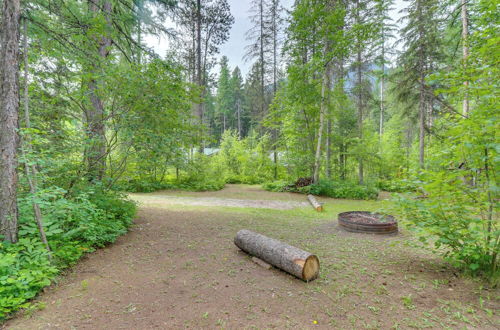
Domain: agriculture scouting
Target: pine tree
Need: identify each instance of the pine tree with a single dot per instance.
(422, 45)
(362, 31)
(236, 87)
(224, 100)
(384, 34)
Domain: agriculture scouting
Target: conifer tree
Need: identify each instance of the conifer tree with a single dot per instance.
(422, 43)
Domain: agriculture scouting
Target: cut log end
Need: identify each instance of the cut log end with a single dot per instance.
(292, 260)
(310, 271)
(317, 206)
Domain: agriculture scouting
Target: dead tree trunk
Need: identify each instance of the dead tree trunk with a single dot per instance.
(292, 260)
(9, 118)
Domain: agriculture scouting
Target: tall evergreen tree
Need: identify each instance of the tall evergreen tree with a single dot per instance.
(224, 100)
(422, 44)
(9, 117)
(236, 86)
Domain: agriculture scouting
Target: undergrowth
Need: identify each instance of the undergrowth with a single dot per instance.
(327, 188)
(74, 226)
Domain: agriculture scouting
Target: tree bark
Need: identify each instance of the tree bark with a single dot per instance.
(96, 152)
(360, 96)
(199, 77)
(9, 118)
(292, 260)
(382, 81)
(422, 98)
(328, 148)
(275, 80)
(325, 89)
(465, 50)
(262, 66)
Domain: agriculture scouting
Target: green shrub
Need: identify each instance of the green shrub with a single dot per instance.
(341, 190)
(278, 186)
(74, 226)
(24, 271)
(327, 188)
(397, 185)
(142, 185)
(456, 223)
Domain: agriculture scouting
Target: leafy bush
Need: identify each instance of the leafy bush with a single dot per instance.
(397, 185)
(277, 186)
(142, 185)
(24, 271)
(90, 219)
(457, 221)
(341, 190)
(243, 160)
(327, 188)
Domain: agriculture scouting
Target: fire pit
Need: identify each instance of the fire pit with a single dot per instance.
(367, 222)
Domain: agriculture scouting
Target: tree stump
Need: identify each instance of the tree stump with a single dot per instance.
(317, 206)
(292, 260)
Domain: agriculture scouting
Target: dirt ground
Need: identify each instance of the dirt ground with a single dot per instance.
(178, 268)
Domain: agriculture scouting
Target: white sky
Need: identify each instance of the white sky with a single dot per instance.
(234, 48)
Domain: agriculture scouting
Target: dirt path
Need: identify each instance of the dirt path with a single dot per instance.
(178, 268)
(217, 201)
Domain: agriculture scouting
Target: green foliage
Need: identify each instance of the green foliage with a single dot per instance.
(24, 271)
(74, 226)
(277, 186)
(459, 217)
(341, 190)
(244, 160)
(327, 188)
(394, 185)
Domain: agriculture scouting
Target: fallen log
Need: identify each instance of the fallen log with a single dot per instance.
(261, 263)
(317, 206)
(292, 260)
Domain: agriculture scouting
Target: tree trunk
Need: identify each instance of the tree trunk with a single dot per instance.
(262, 65)
(328, 149)
(465, 49)
(275, 81)
(421, 125)
(325, 89)
(239, 117)
(382, 80)
(360, 97)
(199, 78)
(292, 260)
(422, 98)
(9, 118)
(96, 152)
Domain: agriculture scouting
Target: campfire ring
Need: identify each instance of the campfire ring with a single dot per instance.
(368, 222)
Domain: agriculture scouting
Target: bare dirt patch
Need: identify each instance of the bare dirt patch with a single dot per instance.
(217, 201)
(178, 268)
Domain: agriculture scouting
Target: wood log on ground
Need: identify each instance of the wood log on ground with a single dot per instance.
(317, 206)
(292, 260)
(261, 263)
